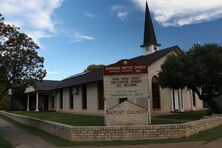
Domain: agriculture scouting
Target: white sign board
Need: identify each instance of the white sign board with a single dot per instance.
(126, 81)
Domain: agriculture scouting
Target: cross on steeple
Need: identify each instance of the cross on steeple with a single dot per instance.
(150, 44)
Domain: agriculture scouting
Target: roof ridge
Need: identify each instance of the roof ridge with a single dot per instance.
(171, 47)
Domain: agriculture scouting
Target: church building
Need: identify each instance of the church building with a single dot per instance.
(84, 93)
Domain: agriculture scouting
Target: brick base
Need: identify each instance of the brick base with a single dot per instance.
(109, 133)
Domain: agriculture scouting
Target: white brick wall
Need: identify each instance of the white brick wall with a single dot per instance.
(109, 133)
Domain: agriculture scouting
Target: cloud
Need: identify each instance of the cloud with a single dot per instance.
(89, 14)
(179, 13)
(34, 17)
(120, 11)
(79, 37)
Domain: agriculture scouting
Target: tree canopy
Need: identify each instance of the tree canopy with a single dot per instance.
(19, 60)
(94, 66)
(198, 69)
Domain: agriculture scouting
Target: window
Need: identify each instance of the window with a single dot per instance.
(84, 97)
(100, 96)
(61, 99)
(155, 93)
(194, 98)
(53, 102)
(122, 100)
(177, 99)
(70, 98)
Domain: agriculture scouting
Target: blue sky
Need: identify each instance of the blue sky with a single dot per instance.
(76, 33)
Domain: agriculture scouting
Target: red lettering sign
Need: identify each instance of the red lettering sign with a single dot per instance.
(125, 67)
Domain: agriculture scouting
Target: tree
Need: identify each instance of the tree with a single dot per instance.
(20, 63)
(198, 69)
(94, 66)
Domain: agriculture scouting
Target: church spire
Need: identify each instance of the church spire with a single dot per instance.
(149, 43)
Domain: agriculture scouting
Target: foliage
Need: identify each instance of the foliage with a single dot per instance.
(94, 66)
(4, 102)
(18, 93)
(198, 69)
(19, 60)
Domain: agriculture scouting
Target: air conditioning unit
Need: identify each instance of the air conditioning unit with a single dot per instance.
(75, 90)
(10, 92)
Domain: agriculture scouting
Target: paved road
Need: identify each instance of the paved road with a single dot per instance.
(20, 138)
(214, 144)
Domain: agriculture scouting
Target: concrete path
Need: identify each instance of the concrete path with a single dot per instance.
(200, 144)
(20, 138)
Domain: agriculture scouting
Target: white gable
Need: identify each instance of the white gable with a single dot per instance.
(29, 89)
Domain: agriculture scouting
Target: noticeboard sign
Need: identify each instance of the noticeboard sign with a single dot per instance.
(126, 80)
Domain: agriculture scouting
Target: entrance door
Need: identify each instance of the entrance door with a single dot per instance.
(155, 93)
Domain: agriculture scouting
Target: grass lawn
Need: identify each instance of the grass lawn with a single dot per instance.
(207, 136)
(189, 116)
(65, 118)
(4, 143)
(83, 120)
(179, 117)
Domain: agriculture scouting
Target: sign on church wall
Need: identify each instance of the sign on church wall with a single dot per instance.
(126, 81)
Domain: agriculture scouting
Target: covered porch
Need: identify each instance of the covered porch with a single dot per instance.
(37, 101)
(40, 97)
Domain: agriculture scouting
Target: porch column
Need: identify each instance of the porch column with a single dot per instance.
(149, 110)
(191, 101)
(172, 100)
(27, 109)
(37, 102)
(181, 100)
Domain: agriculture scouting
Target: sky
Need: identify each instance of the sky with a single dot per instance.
(73, 34)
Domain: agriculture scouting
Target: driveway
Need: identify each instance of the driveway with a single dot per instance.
(20, 138)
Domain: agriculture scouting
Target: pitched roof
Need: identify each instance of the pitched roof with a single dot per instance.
(97, 74)
(45, 85)
(149, 59)
(149, 33)
(89, 77)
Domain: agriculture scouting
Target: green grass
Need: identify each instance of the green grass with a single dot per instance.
(156, 121)
(4, 143)
(186, 116)
(179, 117)
(83, 120)
(65, 118)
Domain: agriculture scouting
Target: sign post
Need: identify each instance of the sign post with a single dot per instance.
(126, 94)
